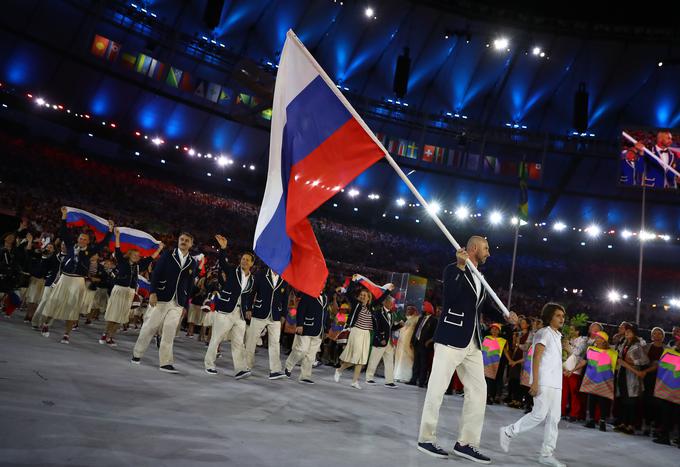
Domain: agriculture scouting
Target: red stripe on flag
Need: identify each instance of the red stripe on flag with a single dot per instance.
(335, 163)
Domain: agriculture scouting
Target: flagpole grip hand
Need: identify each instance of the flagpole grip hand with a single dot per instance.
(64, 211)
(111, 224)
(462, 258)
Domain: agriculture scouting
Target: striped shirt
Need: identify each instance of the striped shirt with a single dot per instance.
(364, 320)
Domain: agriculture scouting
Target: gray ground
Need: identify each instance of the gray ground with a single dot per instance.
(84, 404)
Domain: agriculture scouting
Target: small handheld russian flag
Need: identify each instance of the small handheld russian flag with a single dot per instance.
(133, 239)
(79, 218)
(318, 144)
(143, 286)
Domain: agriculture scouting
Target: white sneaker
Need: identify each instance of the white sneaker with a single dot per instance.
(336, 376)
(550, 460)
(504, 439)
(355, 385)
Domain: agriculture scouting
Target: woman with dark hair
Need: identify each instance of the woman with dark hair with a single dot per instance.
(632, 357)
(654, 351)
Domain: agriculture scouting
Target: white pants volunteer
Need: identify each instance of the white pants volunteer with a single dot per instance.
(470, 367)
(305, 348)
(386, 354)
(273, 336)
(547, 406)
(163, 317)
(223, 324)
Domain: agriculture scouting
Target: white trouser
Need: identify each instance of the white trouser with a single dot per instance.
(162, 318)
(386, 354)
(223, 324)
(273, 336)
(547, 406)
(470, 366)
(305, 348)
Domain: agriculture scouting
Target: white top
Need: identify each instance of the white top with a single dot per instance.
(182, 258)
(244, 280)
(550, 369)
(478, 284)
(275, 278)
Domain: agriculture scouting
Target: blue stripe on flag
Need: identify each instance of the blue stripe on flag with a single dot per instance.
(311, 118)
(273, 244)
(141, 242)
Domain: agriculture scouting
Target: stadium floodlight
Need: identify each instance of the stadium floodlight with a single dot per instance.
(496, 218)
(433, 208)
(401, 202)
(613, 296)
(593, 230)
(559, 226)
(501, 43)
(353, 192)
(369, 12)
(462, 212)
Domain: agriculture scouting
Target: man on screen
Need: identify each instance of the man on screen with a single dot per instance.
(658, 175)
(632, 165)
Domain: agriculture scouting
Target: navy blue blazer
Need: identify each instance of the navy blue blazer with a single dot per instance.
(312, 315)
(230, 288)
(169, 279)
(269, 299)
(383, 325)
(461, 309)
(126, 273)
(53, 268)
(79, 264)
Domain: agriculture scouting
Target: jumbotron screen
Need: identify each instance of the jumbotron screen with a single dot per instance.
(653, 160)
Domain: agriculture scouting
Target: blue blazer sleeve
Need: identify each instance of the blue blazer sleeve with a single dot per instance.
(159, 270)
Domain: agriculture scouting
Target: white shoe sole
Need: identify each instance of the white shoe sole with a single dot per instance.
(211, 373)
(336, 377)
(391, 387)
(465, 456)
(136, 363)
(433, 454)
(554, 464)
(174, 372)
(273, 378)
(245, 375)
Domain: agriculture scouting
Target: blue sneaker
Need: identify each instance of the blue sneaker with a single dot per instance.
(470, 453)
(433, 450)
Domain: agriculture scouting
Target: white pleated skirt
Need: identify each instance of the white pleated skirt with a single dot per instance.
(87, 301)
(66, 299)
(35, 290)
(358, 347)
(119, 304)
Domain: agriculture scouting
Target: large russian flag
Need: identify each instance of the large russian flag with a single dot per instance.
(143, 286)
(78, 218)
(318, 144)
(133, 239)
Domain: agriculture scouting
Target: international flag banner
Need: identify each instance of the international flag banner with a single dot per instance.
(535, 171)
(382, 137)
(133, 239)
(491, 164)
(439, 155)
(266, 114)
(187, 82)
(455, 158)
(174, 77)
(243, 99)
(428, 153)
(79, 218)
(143, 64)
(509, 168)
(473, 162)
(112, 51)
(12, 301)
(156, 70)
(598, 378)
(213, 92)
(402, 146)
(99, 46)
(523, 208)
(128, 61)
(412, 150)
(492, 351)
(318, 145)
(668, 377)
(200, 89)
(143, 286)
(392, 145)
(525, 376)
(226, 95)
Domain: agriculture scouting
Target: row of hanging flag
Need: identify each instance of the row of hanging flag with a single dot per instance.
(144, 64)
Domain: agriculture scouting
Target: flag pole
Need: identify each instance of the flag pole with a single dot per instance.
(397, 169)
(514, 259)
